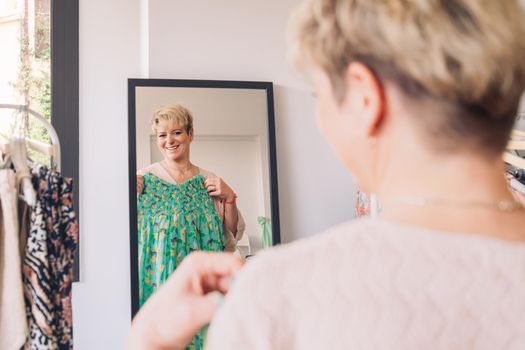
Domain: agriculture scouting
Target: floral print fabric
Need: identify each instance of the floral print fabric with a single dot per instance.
(173, 221)
(48, 263)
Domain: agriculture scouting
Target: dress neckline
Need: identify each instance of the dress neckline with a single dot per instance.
(169, 183)
(172, 179)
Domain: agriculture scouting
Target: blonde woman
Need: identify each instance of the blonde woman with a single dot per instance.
(417, 98)
(181, 207)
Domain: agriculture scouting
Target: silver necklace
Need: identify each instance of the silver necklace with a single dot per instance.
(502, 205)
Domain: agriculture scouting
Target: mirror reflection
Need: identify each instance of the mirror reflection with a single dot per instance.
(203, 176)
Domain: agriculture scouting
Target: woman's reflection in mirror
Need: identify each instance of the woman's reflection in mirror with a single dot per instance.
(181, 207)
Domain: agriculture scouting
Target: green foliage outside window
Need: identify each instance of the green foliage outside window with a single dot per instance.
(34, 83)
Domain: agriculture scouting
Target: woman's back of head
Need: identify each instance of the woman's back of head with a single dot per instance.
(468, 55)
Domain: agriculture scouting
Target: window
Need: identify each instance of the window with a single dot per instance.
(26, 67)
(39, 69)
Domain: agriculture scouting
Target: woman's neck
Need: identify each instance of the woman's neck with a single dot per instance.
(455, 178)
(181, 166)
(458, 193)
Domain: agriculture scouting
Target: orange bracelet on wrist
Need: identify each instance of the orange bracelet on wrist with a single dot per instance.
(232, 201)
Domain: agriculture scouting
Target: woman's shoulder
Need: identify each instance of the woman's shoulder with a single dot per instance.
(206, 173)
(154, 169)
(277, 277)
(361, 240)
(329, 240)
(322, 251)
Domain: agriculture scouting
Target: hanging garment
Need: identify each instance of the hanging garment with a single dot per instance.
(13, 322)
(23, 173)
(48, 264)
(516, 188)
(266, 231)
(518, 174)
(362, 205)
(173, 221)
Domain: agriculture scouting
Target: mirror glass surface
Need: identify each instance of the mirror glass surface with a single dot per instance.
(175, 170)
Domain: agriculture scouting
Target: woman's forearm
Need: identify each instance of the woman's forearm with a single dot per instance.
(231, 217)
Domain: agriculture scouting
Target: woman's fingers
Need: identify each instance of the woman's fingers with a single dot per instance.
(211, 188)
(206, 263)
(214, 193)
(210, 271)
(140, 183)
(214, 190)
(212, 185)
(212, 283)
(176, 312)
(211, 181)
(203, 310)
(216, 187)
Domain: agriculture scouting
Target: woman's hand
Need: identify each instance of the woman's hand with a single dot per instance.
(216, 187)
(179, 309)
(140, 184)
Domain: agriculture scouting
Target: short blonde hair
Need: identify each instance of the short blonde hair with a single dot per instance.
(469, 54)
(176, 112)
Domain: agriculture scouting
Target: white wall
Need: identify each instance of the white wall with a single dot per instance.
(109, 54)
(206, 39)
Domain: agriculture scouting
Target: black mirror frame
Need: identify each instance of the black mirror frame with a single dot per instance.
(65, 96)
(224, 84)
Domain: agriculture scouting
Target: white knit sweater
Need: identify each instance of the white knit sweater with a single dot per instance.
(371, 284)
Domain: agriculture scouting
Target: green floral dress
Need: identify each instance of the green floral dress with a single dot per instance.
(173, 221)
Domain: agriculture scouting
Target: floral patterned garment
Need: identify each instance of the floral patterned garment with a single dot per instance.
(173, 221)
(48, 263)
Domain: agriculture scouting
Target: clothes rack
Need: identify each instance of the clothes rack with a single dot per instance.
(54, 150)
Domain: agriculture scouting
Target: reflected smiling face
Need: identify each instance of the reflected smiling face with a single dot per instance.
(173, 140)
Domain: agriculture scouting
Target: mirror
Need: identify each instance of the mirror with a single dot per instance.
(202, 174)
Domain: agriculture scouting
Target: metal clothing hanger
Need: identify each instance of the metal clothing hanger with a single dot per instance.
(52, 150)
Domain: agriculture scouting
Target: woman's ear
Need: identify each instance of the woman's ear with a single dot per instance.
(366, 98)
(191, 134)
